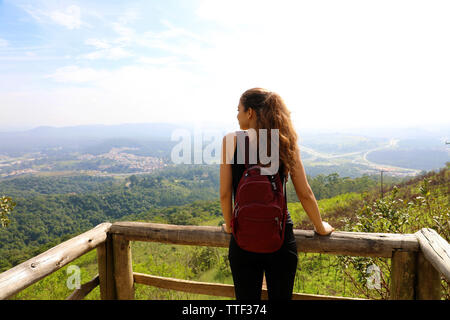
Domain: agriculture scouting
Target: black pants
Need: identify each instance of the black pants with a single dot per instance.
(279, 267)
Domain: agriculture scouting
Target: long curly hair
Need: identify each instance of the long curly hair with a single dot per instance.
(272, 113)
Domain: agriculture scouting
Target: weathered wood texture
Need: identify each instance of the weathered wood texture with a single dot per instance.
(436, 250)
(176, 234)
(339, 242)
(428, 282)
(214, 289)
(356, 243)
(403, 276)
(105, 258)
(84, 290)
(25, 274)
(123, 268)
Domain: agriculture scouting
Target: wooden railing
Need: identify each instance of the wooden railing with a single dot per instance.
(418, 260)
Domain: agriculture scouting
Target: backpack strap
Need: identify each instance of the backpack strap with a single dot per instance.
(242, 140)
(285, 193)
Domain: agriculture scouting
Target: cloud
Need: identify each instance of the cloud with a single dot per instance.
(170, 60)
(118, 47)
(122, 28)
(99, 44)
(130, 15)
(70, 17)
(75, 74)
(108, 54)
(3, 43)
(174, 40)
(175, 32)
(31, 56)
(107, 49)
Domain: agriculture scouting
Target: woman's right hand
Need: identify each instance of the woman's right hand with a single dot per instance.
(325, 230)
(226, 228)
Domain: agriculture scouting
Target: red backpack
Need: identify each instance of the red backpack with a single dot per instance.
(260, 210)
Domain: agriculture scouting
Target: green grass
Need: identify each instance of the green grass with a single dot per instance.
(331, 210)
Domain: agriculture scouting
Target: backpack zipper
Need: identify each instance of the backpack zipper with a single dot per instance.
(276, 220)
(262, 219)
(249, 205)
(252, 182)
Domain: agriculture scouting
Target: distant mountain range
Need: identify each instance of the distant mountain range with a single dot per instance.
(84, 136)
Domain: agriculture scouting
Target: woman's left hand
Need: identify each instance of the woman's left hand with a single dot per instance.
(226, 228)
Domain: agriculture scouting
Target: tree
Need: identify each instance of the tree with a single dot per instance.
(6, 207)
(133, 180)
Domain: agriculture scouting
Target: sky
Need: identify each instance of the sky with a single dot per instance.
(337, 64)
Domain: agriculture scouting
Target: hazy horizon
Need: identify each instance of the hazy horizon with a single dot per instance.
(434, 129)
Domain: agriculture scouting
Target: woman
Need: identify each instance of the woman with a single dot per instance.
(262, 109)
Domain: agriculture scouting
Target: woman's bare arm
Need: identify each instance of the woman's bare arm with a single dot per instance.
(307, 198)
(226, 185)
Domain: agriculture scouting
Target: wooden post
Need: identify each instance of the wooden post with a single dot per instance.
(428, 286)
(105, 260)
(436, 250)
(123, 268)
(403, 275)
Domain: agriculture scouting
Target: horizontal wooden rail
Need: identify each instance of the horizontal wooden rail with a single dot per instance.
(339, 242)
(85, 289)
(436, 250)
(25, 274)
(215, 289)
(169, 233)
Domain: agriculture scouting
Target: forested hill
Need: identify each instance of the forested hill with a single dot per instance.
(52, 209)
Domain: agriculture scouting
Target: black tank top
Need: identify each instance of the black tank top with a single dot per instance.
(238, 170)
